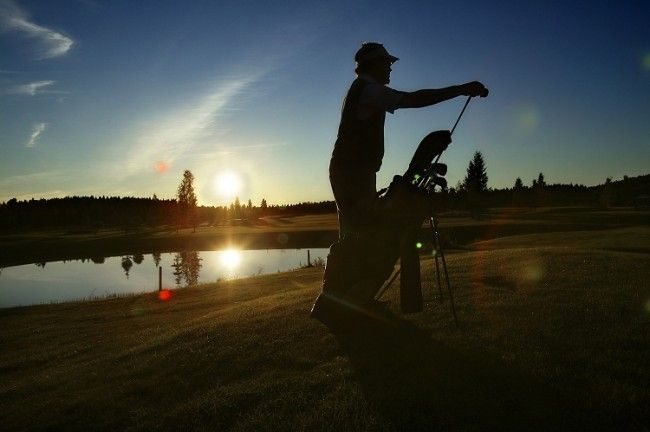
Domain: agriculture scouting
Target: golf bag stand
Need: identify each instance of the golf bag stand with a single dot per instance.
(409, 273)
(439, 253)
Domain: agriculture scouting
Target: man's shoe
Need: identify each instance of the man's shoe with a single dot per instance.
(331, 313)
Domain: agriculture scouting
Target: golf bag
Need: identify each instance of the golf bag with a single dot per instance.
(360, 262)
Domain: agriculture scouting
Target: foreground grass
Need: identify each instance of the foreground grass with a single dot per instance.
(551, 337)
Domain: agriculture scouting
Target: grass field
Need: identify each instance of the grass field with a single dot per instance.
(554, 335)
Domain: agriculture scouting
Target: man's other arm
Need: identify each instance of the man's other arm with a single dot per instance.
(423, 98)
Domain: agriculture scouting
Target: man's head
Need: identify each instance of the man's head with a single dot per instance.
(373, 59)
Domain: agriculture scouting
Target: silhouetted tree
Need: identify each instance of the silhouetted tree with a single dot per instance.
(476, 178)
(539, 190)
(187, 200)
(475, 183)
(236, 209)
(519, 185)
(518, 192)
(605, 196)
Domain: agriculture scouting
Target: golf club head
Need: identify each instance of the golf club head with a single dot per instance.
(436, 180)
(431, 146)
(439, 168)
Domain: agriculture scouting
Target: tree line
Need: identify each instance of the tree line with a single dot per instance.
(474, 195)
(90, 213)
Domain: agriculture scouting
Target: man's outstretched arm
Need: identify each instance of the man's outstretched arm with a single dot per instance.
(423, 98)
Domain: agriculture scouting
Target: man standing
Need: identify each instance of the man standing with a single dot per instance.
(359, 147)
(357, 156)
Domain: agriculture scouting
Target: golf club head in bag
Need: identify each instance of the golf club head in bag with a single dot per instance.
(431, 146)
(439, 168)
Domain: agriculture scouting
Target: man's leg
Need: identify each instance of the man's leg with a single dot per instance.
(355, 194)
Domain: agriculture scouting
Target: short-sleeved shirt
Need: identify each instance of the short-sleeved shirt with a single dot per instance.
(377, 97)
(360, 140)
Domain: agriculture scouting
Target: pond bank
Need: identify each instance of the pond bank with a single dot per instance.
(316, 231)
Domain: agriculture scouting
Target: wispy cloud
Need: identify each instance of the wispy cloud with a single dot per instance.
(22, 179)
(50, 43)
(168, 138)
(36, 133)
(31, 88)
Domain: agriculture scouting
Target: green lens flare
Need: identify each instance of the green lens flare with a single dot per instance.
(646, 62)
(418, 245)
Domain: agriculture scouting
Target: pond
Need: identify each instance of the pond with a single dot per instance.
(59, 281)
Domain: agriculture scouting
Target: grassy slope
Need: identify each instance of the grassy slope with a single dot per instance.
(550, 337)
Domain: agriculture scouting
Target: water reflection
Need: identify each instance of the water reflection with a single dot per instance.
(186, 267)
(156, 258)
(126, 265)
(81, 279)
(230, 258)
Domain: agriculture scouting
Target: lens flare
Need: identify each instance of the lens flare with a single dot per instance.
(165, 295)
(161, 167)
(646, 62)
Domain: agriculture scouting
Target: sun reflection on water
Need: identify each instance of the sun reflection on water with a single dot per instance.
(230, 258)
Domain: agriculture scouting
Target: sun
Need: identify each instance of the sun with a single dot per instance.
(228, 184)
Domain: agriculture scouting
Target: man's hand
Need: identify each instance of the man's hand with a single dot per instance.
(474, 89)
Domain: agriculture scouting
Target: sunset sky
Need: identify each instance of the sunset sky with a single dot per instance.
(120, 97)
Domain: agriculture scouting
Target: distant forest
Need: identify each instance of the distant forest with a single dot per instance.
(129, 213)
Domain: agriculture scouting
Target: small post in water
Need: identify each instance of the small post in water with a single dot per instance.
(159, 278)
(308, 259)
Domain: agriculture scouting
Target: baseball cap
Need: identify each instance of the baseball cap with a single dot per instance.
(372, 50)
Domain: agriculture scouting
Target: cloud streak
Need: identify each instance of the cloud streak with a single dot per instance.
(50, 43)
(36, 133)
(176, 134)
(32, 89)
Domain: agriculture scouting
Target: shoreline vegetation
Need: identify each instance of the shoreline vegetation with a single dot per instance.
(553, 336)
(457, 230)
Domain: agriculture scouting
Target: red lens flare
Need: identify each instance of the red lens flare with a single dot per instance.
(165, 295)
(161, 167)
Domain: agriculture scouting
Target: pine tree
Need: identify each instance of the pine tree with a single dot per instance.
(476, 178)
(519, 185)
(518, 192)
(539, 187)
(187, 200)
(475, 183)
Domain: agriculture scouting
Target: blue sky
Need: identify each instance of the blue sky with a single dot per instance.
(119, 97)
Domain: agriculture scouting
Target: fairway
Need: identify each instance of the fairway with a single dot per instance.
(553, 337)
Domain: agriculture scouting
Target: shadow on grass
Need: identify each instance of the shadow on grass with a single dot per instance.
(416, 383)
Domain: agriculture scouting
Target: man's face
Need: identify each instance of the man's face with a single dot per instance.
(381, 70)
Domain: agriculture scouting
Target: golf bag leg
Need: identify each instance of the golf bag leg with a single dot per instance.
(410, 284)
